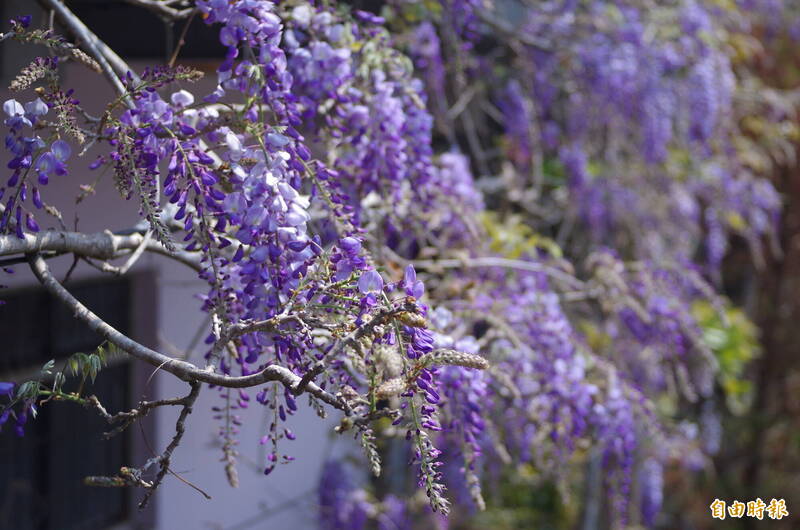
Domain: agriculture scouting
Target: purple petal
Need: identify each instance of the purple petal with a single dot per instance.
(370, 281)
(61, 150)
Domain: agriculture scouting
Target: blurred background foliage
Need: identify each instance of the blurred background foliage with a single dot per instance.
(756, 336)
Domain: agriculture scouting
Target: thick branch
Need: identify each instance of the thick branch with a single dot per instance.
(134, 257)
(180, 369)
(101, 245)
(104, 245)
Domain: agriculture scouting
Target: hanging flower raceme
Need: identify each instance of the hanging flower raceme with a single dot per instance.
(30, 153)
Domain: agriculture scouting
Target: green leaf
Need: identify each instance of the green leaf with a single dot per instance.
(59, 381)
(48, 367)
(83, 362)
(94, 366)
(101, 353)
(28, 390)
(735, 346)
(74, 365)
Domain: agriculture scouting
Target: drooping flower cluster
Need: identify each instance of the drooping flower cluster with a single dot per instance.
(359, 95)
(342, 505)
(664, 105)
(661, 186)
(30, 155)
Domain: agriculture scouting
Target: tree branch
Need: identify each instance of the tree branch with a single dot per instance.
(180, 429)
(114, 68)
(492, 261)
(163, 8)
(307, 378)
(129, 476)
(102, 245)
(128, 417)
(180, 369)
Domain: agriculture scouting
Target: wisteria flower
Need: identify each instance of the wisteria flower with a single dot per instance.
(53, 161)
(370, 282)
(412, 286)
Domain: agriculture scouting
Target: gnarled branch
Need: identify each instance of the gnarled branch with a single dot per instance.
(181, 369)
(102, 245)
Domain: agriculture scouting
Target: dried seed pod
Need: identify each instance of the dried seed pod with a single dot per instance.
(389, 388)
(414, 320)
(84, 59)
(453, 357)
(38, 69)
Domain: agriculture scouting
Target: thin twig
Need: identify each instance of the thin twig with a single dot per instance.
(180, 429)
(492, 261)
(128, 417)
(128, 476)
(181, 40)
(164, 9)
(134, 257)
(75, 260)
(307, 378)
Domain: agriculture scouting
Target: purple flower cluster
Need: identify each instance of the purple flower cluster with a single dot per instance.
(342, 506)
(373, 110)
(518, 117)
(25, 410)
(254, 27)
(652, 484)
(553, 379)
(425, 48)
(650, 99)
(30, 153)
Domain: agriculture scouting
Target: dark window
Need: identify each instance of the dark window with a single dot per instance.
(134, 32)
(41, 474)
